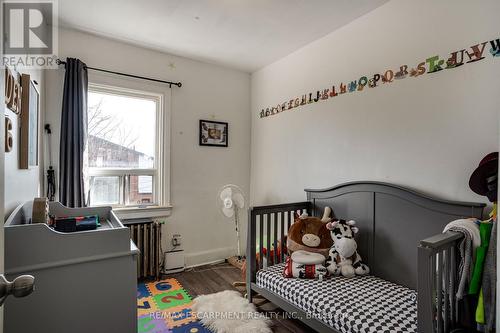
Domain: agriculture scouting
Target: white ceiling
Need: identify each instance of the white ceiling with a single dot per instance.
(243, 34)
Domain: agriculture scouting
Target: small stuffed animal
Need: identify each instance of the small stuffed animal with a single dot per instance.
(343, 256)
(308, 243)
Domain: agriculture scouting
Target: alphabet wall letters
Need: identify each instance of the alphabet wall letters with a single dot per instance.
(434, 64)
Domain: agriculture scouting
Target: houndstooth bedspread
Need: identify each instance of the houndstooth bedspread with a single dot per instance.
(350, 305)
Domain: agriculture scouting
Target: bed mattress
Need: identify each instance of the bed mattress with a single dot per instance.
(350, 305)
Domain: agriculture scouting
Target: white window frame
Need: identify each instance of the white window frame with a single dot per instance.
(161, 168)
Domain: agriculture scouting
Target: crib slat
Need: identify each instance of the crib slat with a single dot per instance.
(268, 237)
(439, 292)
(282, 233)
(275, 239)
(289, 220)
(261, 240)
(446, 287)
(452, 285)
(433, 285)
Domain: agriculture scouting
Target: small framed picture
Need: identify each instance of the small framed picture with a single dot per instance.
(214, 133)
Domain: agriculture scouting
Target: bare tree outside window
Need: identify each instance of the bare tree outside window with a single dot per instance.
(111, 144)
(121, 136)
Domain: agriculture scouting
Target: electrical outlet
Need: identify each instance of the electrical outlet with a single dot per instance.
(176, 240)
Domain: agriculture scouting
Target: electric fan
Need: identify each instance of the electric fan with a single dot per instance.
(231, 202)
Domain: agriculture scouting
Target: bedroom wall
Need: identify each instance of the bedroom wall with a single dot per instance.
(22, 185)
(428, 133)
(208, 92)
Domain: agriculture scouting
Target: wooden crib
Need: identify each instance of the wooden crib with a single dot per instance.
(400, 239)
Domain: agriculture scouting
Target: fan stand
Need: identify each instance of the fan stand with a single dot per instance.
(238, 259)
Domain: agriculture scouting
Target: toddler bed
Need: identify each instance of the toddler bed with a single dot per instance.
(412, 281)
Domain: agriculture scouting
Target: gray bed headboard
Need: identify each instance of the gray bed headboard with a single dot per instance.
(392, 221)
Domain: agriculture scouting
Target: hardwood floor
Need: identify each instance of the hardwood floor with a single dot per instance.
(214, 278)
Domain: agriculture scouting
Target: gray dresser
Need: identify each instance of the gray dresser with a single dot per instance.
(85, 281)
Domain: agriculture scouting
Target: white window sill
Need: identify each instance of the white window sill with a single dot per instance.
(143, 212)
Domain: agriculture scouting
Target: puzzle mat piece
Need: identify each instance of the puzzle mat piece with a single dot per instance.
(174, 314)
(180, 315)
(195, 327)
(163, 286)
(142, 291)
(150, 324)
(146, 305)
(171, 299)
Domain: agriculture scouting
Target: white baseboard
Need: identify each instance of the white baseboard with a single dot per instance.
(208, 257)
(207, 263)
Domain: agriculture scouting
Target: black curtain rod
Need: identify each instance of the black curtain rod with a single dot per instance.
(178, 84)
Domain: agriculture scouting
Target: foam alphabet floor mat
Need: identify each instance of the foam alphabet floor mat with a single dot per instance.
(165, 307)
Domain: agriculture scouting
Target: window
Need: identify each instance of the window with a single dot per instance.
(124, 148)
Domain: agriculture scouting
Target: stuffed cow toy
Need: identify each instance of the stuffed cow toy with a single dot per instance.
(343, 258)
(308, 245)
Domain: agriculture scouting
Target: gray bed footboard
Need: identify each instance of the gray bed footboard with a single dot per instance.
(436, 283)
(396, 240)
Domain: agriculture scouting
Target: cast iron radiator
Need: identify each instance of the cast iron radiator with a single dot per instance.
(146, 235)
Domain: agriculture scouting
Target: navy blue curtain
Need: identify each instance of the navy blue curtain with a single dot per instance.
(73, 134)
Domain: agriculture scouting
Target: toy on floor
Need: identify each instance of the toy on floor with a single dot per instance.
(164, 307)
(308, 243)
(343, 257)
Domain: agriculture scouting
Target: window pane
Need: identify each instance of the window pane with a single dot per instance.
(104, 190)
(145, 184)
(140, 190)
(121, 131)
